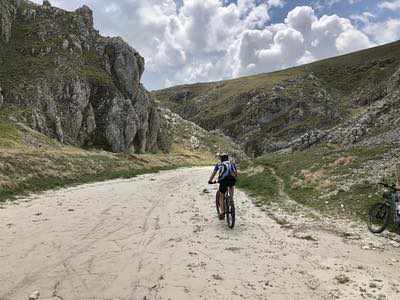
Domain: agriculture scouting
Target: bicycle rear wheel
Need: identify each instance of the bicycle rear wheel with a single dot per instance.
(378, 217)
(230, 212)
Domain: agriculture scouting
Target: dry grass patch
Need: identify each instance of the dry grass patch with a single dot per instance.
(315, 179)
(7, 185)
(296, 183)
(343, 161)
(326, 184)
(312, 177)
(254, 170)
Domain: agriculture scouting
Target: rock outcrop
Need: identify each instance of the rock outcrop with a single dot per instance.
(7, 16)
(70, 83)
(381, 116)
(193, 137)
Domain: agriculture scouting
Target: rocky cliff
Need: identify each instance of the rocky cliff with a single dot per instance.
(375, 124)
(190, 136)
(67, 81)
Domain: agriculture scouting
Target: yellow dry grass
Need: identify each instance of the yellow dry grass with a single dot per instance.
(315, 179)
(342, 161)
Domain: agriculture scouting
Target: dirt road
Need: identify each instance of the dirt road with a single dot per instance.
(157, 237)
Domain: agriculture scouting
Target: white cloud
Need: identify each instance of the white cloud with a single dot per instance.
(276, 3)
(384, 32)
(291, 45)
(364, 18)
(325, 31)
(301, 39)
(306, 59)
(301, 18)
(352, 40)
(393, 5)
(258, 17)
(261, 50)
(251, 43)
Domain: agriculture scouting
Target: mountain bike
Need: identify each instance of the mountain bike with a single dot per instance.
(380, 213)
(229, 206)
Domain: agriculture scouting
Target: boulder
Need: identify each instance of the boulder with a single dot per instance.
(87, 15)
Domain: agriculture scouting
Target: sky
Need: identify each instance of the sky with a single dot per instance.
(187, 41)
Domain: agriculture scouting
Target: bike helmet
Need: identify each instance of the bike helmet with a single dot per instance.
(224, 157)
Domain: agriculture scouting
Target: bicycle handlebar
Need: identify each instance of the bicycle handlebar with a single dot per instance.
(392, 187)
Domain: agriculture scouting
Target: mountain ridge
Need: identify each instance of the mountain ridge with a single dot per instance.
(267, 112)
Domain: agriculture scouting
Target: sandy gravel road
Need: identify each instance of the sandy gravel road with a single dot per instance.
(157, 237)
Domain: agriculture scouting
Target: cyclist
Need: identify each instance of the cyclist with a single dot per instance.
(227, 174)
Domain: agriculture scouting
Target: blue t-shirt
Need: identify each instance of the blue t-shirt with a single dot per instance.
(224, 169)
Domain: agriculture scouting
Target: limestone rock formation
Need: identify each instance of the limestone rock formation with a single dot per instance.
(382, 115)
(194, 137)
(70, 83)
(7, 15)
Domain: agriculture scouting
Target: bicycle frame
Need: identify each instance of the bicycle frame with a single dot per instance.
(390, 201)
(379, 213)
(227, 195)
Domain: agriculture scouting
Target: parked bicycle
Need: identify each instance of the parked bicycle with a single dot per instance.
(380, 213)
(229, 206)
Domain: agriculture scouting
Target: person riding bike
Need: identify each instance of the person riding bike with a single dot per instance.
(227, 174)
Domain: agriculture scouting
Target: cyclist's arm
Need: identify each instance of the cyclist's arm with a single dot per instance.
(212, 176)
(215, 171)
(234, 172)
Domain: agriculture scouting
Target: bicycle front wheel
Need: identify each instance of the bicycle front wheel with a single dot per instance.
(230, 212)
(378, 217)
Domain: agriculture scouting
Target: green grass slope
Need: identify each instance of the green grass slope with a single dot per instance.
(337, 182)
(33, 162)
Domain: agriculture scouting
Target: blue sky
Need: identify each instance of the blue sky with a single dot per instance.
(187, 41)
(342, 8)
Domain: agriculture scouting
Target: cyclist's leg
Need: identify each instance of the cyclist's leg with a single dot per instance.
(231, 191)
(232, 183)
(221, 203)
(222, 190)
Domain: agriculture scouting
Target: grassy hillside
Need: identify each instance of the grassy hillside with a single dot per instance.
(340, 182)
(32, 162)
(267, 110)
